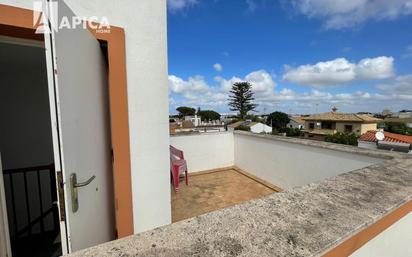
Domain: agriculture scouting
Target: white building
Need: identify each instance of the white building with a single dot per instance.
(254, 127)
(78, 99)
(257, 127)
(296, 122)
(194, 119)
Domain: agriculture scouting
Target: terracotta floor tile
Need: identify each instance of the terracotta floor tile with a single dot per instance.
(213, 191)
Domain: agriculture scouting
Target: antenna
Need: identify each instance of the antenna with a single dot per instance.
(380, 136)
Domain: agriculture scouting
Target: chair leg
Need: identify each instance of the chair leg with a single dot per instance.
(187, 178)
(176, 179)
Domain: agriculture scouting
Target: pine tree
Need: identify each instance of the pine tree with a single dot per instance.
(241, 98)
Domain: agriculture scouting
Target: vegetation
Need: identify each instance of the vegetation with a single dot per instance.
(243, 128)
(278, 120)
(207, 115)
(253, 118)
(241, 99)
(185, 111)
(290, 132)
(397, 127)
(293, 132)
(343, 138)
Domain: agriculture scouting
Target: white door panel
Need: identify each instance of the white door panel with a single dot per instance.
(81, 137)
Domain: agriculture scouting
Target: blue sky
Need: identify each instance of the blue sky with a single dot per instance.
(301, 56)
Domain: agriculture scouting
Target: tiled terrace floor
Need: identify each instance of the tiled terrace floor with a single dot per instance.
(212, 191)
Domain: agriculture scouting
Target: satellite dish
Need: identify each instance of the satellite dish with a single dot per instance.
(380, 136)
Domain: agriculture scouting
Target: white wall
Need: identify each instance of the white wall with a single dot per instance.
(368, 145)
(395, 241)
(206, 151)
(145, 27)
(290, 165)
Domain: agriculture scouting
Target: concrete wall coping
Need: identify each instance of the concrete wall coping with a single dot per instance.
(201, 134)
(304, 221)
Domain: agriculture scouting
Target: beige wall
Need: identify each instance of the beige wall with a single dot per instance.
(366, 127)
(358, 128)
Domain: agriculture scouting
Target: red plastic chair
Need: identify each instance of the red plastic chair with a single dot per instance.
(178, 165)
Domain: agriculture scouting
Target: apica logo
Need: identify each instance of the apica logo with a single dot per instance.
(47, 19)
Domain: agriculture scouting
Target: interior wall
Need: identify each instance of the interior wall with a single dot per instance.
(25, 132)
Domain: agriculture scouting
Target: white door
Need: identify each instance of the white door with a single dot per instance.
(5, 249)
(78, 94)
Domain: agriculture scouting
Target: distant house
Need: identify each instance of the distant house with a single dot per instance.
(317, 126)
(255, 127)
(392, 141)
(196, 121)
(405, 114)
(296, 122)
(406, 121)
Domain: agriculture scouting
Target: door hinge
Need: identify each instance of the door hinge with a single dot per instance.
(60, 190)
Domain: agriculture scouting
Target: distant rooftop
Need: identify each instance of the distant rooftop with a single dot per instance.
(389, 137)
(297, 119)
(340, 116)
(242, 123)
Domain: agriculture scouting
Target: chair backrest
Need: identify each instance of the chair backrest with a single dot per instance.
(174, 152)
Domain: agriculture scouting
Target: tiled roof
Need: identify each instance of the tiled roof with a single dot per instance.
(236, 124)
(340, 116)
(297, 119)
(389, 137)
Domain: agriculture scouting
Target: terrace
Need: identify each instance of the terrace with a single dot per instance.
(336, 201)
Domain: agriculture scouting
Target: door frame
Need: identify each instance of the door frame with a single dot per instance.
(18, 22)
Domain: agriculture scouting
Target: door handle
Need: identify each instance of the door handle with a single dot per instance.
(83, 184)
(74, 188)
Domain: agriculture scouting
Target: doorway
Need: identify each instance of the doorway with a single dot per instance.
(27, 151)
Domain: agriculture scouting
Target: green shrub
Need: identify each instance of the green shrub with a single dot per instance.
(243, 128)
(293, 132)
(397, 128)
(343, 138)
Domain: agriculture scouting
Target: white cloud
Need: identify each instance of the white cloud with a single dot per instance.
(339, 14)
(195, 91)
(401, 85)
(218, 67)
(340, 71)
(251, 4)
(262, 82)
(408, 52)
(177, 5)
(188, 88)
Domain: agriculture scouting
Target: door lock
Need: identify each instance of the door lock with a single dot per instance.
(74, 187)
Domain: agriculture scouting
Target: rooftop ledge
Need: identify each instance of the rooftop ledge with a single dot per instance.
(306, 221)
